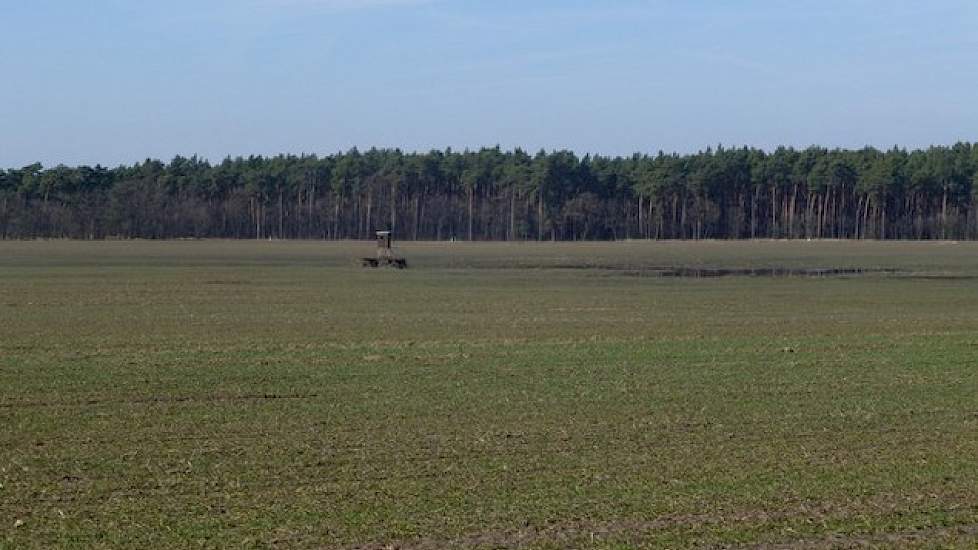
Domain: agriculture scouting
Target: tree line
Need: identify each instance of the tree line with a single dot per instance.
(491, 194)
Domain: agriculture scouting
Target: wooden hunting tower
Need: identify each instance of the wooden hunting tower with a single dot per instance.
(384, 244)
(385, 254)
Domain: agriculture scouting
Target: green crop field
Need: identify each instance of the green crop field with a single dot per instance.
(274, 394)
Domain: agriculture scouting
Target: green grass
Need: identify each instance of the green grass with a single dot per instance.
(181, 394)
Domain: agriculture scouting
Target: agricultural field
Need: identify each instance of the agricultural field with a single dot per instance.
(175, 394)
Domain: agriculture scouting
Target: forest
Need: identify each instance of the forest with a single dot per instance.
(492, 194)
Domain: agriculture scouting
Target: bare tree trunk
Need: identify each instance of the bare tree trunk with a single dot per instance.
(675, 216)
(310, 198)
(809, 214)
(640, 228)
(296, 228)
(417, 214)
(393, 204)
(682, 222)
(866, 208)
(784, 223)
(882, 209)
(336, 219)
(791, 213)
(471, 205)
(821, 215)
(753, 212)
(659, 229)
(883, 223)
(254, 218)
(368, 219)
(357, 217)
(648, 230)
(944, 214)
(540, 215)
(281, 217)
(512, 215)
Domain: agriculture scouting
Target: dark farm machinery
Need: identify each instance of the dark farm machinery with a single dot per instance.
(385, 254)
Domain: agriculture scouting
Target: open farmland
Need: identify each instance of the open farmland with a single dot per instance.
(228, 393)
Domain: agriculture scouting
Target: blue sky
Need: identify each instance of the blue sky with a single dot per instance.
(116, 81)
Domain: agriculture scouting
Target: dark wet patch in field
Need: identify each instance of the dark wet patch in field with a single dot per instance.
(805, 272)
(690, 272)
(707, 272)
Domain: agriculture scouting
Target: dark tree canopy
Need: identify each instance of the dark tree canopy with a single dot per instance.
(508, 195)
